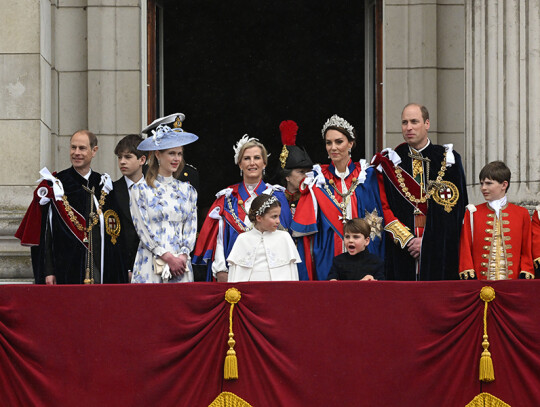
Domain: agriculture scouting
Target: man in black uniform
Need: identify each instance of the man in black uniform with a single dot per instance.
(294, 162)
(77, 241)
(424, 195)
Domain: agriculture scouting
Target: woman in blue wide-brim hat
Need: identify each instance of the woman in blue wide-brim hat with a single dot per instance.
(164, 211)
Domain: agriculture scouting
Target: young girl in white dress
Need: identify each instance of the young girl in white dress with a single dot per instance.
(164, 211)
(264, 253)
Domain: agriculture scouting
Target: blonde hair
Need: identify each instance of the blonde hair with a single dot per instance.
(253, 143)
(153, 168)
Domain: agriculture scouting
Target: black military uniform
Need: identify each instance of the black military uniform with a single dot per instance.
(291, 157)
(66, 248)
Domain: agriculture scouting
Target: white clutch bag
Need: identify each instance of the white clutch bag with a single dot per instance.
(159, 265)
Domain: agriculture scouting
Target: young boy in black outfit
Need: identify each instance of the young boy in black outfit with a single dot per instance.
(357, 263)
(130, 162)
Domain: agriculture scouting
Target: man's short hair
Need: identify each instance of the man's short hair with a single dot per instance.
(423, 110)
(496, 171)
(129, 145)
(91, 137)
(357, 225)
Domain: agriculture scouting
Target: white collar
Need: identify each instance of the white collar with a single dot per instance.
(164, 180)
(421, 149)
(343, 174)
(87, 176)
(251, 187)
(497, 204)
(129, 182)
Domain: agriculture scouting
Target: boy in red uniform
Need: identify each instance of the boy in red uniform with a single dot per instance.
(535, 229)
(496, 236)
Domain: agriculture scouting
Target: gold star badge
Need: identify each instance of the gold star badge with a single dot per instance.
(375, 222)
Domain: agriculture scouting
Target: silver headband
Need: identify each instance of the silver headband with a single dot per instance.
(266, 205)
(337, 121)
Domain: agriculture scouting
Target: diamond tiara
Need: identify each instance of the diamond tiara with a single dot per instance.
(337, 121)
(266, 205)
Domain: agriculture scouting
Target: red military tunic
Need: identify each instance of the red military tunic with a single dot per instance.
(494, 248)
(535, 229)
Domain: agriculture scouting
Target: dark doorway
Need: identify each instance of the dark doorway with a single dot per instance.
(242, 67)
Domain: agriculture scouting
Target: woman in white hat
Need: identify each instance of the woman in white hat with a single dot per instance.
(164, 211)
(228, 215)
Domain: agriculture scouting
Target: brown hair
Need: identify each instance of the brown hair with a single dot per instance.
(496, 171)
(344, 132)
(423, 110)
(258, 202)
(129, 144)
(92, 139)
(153, 167)
(357, 225)
(253, 143)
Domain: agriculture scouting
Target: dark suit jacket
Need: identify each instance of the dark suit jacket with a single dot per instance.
(129, 240)
(191, 175)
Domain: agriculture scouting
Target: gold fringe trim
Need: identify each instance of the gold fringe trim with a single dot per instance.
(528, 276)
(486, 400)
(227, 399)
(487, 374)
(467, 274)
(230, 369)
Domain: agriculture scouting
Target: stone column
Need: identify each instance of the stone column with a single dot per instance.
(424, 63)
(25, 121)
(64, 65)
(114, 75)
(503, 93)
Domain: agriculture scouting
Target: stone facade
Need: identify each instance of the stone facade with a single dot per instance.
(64, 65)
(71, 64)
(424, 62)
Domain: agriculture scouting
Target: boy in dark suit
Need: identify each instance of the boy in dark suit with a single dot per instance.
(357, 263)
(130, 162)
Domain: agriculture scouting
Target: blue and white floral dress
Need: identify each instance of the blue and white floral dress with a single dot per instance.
(165, 218)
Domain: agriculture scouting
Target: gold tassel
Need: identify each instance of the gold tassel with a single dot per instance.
(230, 369)
(487, 374)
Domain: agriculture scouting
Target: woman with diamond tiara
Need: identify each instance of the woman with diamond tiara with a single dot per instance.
(264, 253)
(228, 215)
(331, 195)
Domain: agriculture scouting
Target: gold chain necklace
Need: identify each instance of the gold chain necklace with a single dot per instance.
(431, 188)
(93, 219)
(235, 217)
(345, 196)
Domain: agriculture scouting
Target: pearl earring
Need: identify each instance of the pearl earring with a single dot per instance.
(241, 173)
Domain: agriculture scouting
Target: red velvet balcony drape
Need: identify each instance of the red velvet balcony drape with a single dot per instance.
(298, 344)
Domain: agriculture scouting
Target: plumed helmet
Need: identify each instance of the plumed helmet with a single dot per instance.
(292, 156)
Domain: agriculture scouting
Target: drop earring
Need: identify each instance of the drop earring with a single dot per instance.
(264, 172)
(241, 173)
(350, 150)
